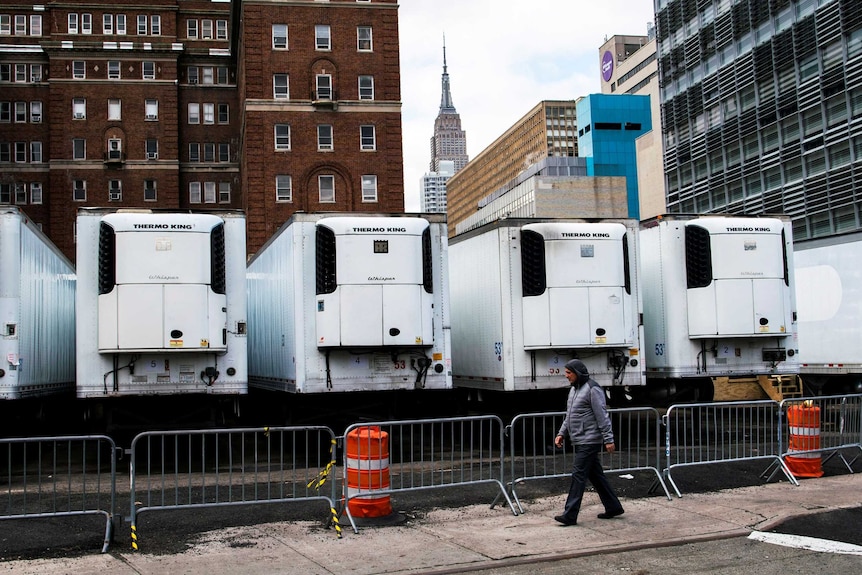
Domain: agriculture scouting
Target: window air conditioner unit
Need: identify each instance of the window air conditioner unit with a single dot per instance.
(79, 116)
(152, 155)
(193, 80)
(115, 196)
(114, 155)
(35, 78)
(152, 117)
(36, 118)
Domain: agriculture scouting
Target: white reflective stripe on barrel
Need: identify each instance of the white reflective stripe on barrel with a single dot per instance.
(804, 431)
(368, 464)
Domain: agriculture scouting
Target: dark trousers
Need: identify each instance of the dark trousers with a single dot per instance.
(588, 466)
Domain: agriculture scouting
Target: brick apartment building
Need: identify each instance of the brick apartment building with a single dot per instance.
(268, 106)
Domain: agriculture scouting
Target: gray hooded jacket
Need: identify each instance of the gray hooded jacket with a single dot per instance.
(587, 421)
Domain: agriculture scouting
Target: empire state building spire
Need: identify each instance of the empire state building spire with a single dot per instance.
(449, 141)
(446, 105)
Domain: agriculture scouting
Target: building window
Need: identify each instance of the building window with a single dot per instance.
(209, 113)
(223, 114)
(79, 190)
(36, 193)
(79, 108)
(209, 152)
(221, 73)
(36, 28)
(142, 25)
(20, 72)
(324, 87)
(152, 149)
(115, 109)
(150, 191)
(363, 38)
(156, 25)
(21, 193)
(36, 152)
(115, 149)
(20, 152)
(224, 152)
(115, 190)
(283, 188)
(194, 113)
(36, 112)
(107, 24)
(366, 87)
(79, 149)
(86, 23)
(36, 73)
(5, 193)
(322, 40)
(121, 24)
(113, 69)
(151, 110)
(324, 137)
(279, 86)
(367, 138)
(279, 36)
(282, 136)
(192, 29)
(5, 111)
(194, 192)
(79, 69)
(149, 70)
(207, 29)
(224, 192)
(207, 75)
(72, 24)
(221, 29)
(192, 74)
(21, 112)
(209, 192)
(5, 152)
(326, 184)
(194, 152)
(369, 188)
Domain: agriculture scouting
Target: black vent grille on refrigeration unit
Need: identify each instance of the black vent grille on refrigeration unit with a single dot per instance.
(627, 270)
(698, 257)
(533, 280)
(427, 267)
(107, 258)
(217, 259)
(326, 277)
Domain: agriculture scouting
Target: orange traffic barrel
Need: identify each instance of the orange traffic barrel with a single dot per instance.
(803, 458)
(367, 465)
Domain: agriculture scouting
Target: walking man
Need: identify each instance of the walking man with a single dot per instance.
(589, 427)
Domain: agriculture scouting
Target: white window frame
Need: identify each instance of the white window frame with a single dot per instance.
(72, 23)
(366, 92)
(115, 149)
(155, 25)
(21, 73)
(325, 138)
(21, 193)
(115, 109)
(151, 154)
(282, 141)
(5, 25)
(194, 113)
(148, 70)
(207, 75)
(221, 29)
(369, 188)
(115, 190)
(326, 184)
(36, 112)
(79, 69)
(279, 42)
(83, 149)
(36, 28)
(223, 113)
(195, 192)
(151, 110)
(206, 29)
(20, 25)
(210, 192)
(194, 152)
(79, 190)
(35, 192)
(209, 152)
(151, 190)
(21, 115)
(79, 108)
(35, 152)
(280, 92)
(367, 141)
(224, 192)
(36, 72)
(223, 152)
(192, 29)
(208, 113)
(283, 188)
(86, 23)
(364, 44)
(107, 23)
(142, 24)
(322, 38)
(114, 70)
(20, 152)
(121, 24)
(192, 75)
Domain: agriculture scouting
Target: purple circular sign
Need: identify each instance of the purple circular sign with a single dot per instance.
(607, 66)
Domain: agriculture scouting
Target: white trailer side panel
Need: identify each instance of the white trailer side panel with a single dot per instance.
(372, 326)
(37, 312)
(586, 303)
(165, 324)
(829, 298)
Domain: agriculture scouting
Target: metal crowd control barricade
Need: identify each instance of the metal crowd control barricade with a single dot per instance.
(840, 427)
(432, 454)
(59, 477)
(532, 453)
(224, 467)
(723, 432)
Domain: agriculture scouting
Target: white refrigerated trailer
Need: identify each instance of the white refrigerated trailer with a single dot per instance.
(37, 311)
(719, 302)
(161, 303)
(530, 294)
(351, 302)
(829, 297)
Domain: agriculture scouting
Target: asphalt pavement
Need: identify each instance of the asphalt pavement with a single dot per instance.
(475, 537)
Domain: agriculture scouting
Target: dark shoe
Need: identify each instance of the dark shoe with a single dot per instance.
(611, 514)
(564, 521)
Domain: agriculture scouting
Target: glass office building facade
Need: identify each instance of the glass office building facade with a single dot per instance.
(607, 128)
(762, 109)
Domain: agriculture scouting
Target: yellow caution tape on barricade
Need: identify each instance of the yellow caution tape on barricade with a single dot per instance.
(134, 539)
(335, 521)
(318, 481)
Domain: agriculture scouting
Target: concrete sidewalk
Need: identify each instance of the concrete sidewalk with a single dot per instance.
(465, 539)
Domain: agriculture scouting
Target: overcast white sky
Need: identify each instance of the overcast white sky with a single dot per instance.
(504, 57)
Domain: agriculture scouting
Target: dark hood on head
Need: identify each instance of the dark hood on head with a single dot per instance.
(577, 366)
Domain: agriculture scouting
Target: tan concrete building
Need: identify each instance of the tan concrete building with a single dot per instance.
(548, 130)
(628, 65)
